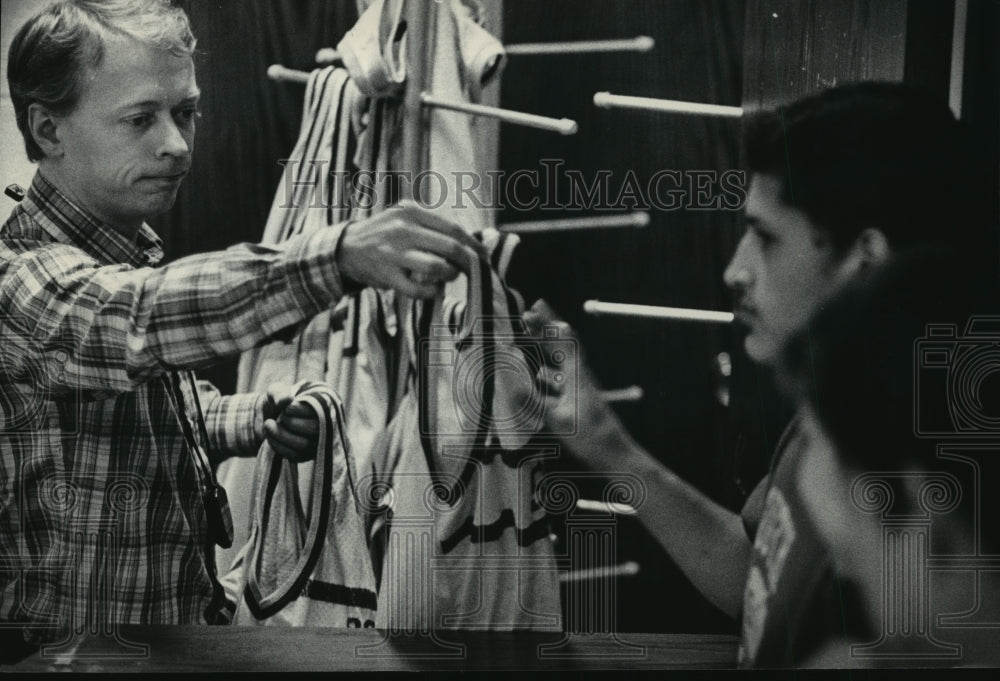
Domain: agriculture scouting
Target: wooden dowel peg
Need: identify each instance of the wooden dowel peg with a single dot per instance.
(596, 307)
(563, 126)
(637, 219)
(607, 100)
(633, 393)
(327, 55)
(281, 73)
(604, 507)
(624, 570)
(642, 43)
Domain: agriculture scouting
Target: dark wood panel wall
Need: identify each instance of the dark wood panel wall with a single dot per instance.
(792, 48)
(677, 260)
(795, 47)
(981, 94)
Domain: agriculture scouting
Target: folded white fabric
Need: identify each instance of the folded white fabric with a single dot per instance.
(483, 57)
(374, 50)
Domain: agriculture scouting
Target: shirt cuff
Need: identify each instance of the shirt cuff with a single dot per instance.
(314, 275)
(349, 285)
(235, 424)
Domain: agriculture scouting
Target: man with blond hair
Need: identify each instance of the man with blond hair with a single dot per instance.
(109, 510)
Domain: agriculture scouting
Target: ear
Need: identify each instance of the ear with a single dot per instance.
(870, 248)
(44, 127)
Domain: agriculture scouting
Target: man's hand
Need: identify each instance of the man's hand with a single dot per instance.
(575, 401)
(290, 427)
(407, 248)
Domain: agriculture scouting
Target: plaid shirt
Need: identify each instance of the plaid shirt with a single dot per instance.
(101, 515)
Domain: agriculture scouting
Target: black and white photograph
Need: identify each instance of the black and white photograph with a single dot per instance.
(499, 336)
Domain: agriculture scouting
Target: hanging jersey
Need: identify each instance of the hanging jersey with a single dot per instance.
(466, 57)
(478, 409)
(483, 57)
(308, 197)
(374, 49)
(463, 544)
(451, 140)
(432, 577)
(361, 368)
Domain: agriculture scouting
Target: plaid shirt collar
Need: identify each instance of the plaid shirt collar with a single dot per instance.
(70, 224)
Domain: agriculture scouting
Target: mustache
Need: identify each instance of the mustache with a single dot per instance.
(744, 306)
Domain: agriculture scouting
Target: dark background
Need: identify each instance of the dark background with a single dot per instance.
(734, 52)
(677, 260)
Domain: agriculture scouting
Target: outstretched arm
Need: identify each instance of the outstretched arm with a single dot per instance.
(707, 541)
(75, 326)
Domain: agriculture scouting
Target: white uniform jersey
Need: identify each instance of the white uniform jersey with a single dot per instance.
(306, 562)
(460, 538)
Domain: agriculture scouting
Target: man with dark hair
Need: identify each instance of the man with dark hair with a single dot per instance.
(871, 154)
(109, 509)
(838, 182)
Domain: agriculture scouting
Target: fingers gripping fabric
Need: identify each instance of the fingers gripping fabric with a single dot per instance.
(307, 561)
